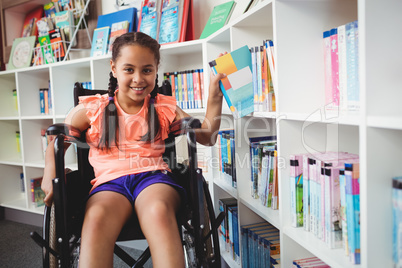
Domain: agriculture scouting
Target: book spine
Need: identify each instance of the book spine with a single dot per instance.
(244, 246)
(180, 90)
(184, 89)
(342, 68)
(254, 76)
(351, 62)
(259, 79)
(203, 100)
(335, 68)
(342, 190)
(327, 68)
(191, 85)
(42, 100)
(306, 194)
(335, 210)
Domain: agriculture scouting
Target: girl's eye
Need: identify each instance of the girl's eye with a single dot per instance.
(128, 70)
(147, 71)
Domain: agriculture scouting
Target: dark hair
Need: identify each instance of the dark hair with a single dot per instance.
(110, 122)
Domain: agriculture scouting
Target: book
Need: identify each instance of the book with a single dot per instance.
(118, 28)
(296, 190)
(219, 17)
(29, 25)
(343, 105)
(58, 44)
(176, 23)
(224, 204)
(396, 220)
(149, 18)
(47, 51)
(44, 25)
(100, 41)
(37, 194)
(334, 69)
(21, 52)
(50, 9)
(352, 61)
(237, 86)
(327, 67)
(352, 178)
(65, 21)
(129, 14)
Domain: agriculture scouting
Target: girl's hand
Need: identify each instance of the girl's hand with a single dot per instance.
(215, 93)
(47, 188)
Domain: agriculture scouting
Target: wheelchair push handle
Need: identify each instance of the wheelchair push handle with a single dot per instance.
(183, 125)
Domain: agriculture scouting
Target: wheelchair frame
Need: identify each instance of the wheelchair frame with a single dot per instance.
(199, 228)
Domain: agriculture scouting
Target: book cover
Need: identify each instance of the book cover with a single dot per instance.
(29, 25)
(352, 66)
(118, 28)
(237, 86)
(343, 105)
(129, 14)
(149, 19)
(65, 21)
(37, 194)
(352, 177)
(296, 190)
(21, 52)
(100, 41)
(219, 17)
(47, 51)
(327, 67)
(50, 9)
(58, 44)
(176, 23)
(44, 25)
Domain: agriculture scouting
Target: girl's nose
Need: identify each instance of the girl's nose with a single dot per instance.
(137, 77)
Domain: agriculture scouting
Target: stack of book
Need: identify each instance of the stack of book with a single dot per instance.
(264, 170)
(341, 62)
(229, 228)
(226, 147)
(310, 262)
(187, 88)
(260, 245)
(324, 198)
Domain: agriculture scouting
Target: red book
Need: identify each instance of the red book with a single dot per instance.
(29, 27)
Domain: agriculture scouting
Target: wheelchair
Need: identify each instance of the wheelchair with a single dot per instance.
(62, 222)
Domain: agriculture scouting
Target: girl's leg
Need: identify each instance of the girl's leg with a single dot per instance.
(156, 208)
(105, 216)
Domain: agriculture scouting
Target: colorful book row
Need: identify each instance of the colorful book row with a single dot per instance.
(226, 150)
(45, 101)
(37, 194)
(341, 66)
(264, 170)
(187, 88)
(324, 198)
(312, 262)
(260, 245)
(229, 228)
(249, 85)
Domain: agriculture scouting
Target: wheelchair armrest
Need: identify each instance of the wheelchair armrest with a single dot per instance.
(65, 129)
(181, 126)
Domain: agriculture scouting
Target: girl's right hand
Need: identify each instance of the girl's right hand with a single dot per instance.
(47, 188)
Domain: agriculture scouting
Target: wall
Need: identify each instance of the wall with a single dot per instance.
(202, 9)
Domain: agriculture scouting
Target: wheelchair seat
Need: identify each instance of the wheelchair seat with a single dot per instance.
(62, 223)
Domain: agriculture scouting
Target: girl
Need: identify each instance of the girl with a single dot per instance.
(126, 129)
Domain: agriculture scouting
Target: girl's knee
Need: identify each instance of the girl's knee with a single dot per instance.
(160, 212)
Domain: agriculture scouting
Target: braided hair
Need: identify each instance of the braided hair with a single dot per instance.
(110, 122)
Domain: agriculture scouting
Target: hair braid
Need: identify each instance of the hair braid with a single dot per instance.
(110, 118)
(153, 119)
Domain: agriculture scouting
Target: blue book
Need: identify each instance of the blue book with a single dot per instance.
(353, 210)
(237, 86)
(100, 41)
(129, 14)
(169, 26)
(352, 67)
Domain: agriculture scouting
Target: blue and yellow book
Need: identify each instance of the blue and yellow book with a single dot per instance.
(237, 86)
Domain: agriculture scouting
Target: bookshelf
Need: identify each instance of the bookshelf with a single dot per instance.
(300, 121)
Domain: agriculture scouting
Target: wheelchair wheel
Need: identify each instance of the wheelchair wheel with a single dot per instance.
(50, 234)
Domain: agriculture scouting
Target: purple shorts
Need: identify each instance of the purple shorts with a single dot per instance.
(131, 185)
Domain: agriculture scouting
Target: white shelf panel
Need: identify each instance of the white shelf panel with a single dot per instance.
(9, 118)
(12, 161)
(385, 122)
(268, 214)
(37, 117)
(332, 257)
(182, 48)
(228, 258)
(36, 164)
(323, 117)
(19, 204)
(224, 185)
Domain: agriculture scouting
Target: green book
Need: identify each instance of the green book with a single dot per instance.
(220, 15)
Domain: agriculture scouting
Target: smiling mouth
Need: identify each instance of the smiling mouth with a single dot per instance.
(137, 88)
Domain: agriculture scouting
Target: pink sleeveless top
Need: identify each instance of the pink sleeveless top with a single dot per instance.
(133, 156)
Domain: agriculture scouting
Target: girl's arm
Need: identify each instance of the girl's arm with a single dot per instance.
(209, 129)
(76, 118)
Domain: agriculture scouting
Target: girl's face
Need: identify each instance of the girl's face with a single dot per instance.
(135, 70)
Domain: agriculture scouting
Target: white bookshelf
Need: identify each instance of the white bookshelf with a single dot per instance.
(300, 121)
